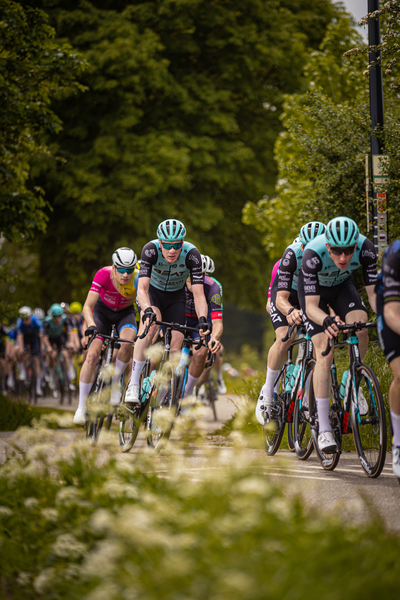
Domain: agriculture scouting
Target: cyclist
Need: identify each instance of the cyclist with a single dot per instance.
(110, 301)
(75, 311)
(213, 293)
(29, 333)
(388, 309)
(165, 265)
(326, 280)
(57, 336)
(284, 310)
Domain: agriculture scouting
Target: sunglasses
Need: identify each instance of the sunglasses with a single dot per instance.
(347, 250)
(124, 270)
(169, 246)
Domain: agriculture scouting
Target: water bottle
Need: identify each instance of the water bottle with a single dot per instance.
(343, 384)
(289, 373)
(294, 375)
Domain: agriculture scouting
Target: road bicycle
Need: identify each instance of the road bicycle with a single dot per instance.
(211, 391)
(160, 393)
(98, 404)
(291, 381)
(360, 411)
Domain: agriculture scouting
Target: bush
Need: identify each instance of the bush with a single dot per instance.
(15, 413)
(79, 522)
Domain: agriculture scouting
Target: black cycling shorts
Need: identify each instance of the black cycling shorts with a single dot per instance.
(33, 342)
(59, 341)
(342, 298)
(279, 319)
(388, 339)
(172, 305)
(105, 317)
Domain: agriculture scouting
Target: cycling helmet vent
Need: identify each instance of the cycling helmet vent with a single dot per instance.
(39, 313)
(124, 257)
(341, 232)
(171, 230)
(25, 312)
(207, 264)
(75, 307)
(310, 230)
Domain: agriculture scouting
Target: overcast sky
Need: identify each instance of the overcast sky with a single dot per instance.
(359, 8)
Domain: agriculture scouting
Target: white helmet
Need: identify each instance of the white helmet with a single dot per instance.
(39, 313)
(296, 240)
(25, 312)
(124, 257)
(207, 264)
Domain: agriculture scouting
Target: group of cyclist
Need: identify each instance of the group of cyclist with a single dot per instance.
(171, 284)
(312, 284)
(40, 337)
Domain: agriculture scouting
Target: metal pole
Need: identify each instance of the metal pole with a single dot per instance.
(376, 113)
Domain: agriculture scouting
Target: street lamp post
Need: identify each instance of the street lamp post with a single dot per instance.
(378, 159)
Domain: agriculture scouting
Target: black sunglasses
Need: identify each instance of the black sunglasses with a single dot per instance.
(347, 250)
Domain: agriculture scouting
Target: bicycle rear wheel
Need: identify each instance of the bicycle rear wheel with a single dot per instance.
(327, 461)
(369, 429)
(163, 407)
(301, 420)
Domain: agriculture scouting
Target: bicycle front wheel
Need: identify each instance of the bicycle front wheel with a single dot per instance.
(327, 461)
(369, 422)
(163, 407)
(274, 429)
(301, 419)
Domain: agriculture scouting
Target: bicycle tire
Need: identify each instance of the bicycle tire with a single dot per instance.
(95, 423)
(163, 399)
(131, 418)
(211, 395)
(370, 430)
(328, 462)
(65, 383)
(273, 430)
(301, 425)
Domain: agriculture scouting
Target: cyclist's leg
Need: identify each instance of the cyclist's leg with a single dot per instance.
(139, 357)
(198, 358)
(218, 370)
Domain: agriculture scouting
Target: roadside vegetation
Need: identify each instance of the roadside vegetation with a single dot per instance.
(90, 523)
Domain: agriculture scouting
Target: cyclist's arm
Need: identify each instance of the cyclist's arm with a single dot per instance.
(283, 305)
(88, 307)
(370, 289)
(200, 302)
(391, 313)
(142, 295)
(20, 341)
(217, 331)
(370, 274)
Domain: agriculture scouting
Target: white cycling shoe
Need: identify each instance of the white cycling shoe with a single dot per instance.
(132, 394)
(396, 460)
(326, 442)
(80, 417)
(264, 405)
(221, 387)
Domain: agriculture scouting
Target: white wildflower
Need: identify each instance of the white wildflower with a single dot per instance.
(280, 506)
(5, 511)
(67, 546)
(103, 560)
(45, 580)
(31, 503)
(101, 521)
(23, 578)
(253, 485)
(50, 514)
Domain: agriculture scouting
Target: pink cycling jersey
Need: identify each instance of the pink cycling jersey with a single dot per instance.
(116, 299)
(274, 272)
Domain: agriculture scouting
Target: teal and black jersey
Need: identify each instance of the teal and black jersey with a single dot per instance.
(169, 277)
(289, 268)
(318, 269)
(54, 331)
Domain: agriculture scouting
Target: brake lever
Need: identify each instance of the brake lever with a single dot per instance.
(289, 332)
(328, 348)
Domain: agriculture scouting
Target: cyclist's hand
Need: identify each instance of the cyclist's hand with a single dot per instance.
(149, 316)
(330, 328)
(214, 346)
(204, 327)
(294, 316)
(91, 331)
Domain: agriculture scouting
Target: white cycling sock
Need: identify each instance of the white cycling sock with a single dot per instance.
(191, 382)
(396, 428)
(119, 369)
(137, 367)
(268, 387)
(84, 391)
(323, 414)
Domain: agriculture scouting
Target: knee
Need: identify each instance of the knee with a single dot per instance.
(92, 358)
(363, 336)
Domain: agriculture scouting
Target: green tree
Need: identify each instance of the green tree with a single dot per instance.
(180, 119)
(34, 70)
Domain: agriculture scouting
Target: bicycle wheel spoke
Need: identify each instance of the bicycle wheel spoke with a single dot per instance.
(163, 407)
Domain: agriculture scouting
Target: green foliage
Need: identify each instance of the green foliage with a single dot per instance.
(34, 70)
(180, 119)
(81, 523)
(15, 413)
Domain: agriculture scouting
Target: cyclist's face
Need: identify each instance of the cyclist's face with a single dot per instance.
(57, 320)
(342, 261)
(26, 320)
(122, 278)
(170, 254)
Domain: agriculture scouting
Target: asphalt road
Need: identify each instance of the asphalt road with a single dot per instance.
(346, 492)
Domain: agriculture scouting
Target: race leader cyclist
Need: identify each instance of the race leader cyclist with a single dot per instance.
(110, 301)
(326, 280)
(388, 309)
(213, 294)
(284, 310)
(165, 265)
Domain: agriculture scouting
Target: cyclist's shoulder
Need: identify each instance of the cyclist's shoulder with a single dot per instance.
(36, 322)
(103, 274)
(212, 281)
(317, 245)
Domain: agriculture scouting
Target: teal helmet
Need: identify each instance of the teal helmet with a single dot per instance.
(341, 232)
(171, 230)
(56, 310)
(310, 230)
